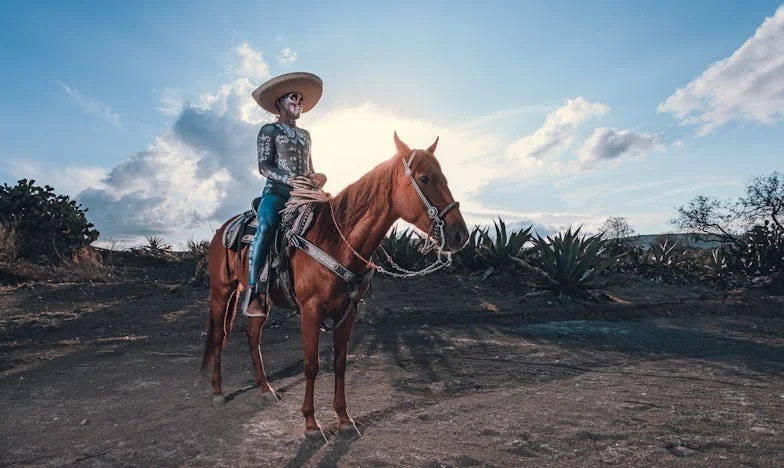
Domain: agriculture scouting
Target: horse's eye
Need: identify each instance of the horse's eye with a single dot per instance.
(424, 179)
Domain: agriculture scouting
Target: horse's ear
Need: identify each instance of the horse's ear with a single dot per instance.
(432, 148)
(401, 147)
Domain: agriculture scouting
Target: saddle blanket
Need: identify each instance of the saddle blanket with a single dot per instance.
(242, 229)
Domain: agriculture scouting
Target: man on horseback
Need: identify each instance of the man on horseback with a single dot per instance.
(284, 156)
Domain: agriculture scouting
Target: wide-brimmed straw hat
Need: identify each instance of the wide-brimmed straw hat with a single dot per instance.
(307, 84)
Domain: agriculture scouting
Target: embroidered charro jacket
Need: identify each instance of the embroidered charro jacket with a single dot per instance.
(284, 152)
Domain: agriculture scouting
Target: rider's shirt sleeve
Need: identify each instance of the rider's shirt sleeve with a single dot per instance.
(310, 158)
(268, 155)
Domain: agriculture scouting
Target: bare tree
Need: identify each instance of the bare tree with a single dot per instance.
(724, 221)
(764, 200)
(708, 215)
(616, 228)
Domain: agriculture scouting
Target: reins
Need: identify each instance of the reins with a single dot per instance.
(443, 258)
(368, 263)
(303, 192)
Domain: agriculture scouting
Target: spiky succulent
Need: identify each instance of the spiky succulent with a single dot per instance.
(405, 247)
(567, 263)
(496, 252)
(666, 251)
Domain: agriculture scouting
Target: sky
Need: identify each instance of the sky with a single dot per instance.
(548, 113)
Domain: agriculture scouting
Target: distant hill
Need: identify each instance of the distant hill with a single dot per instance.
(695, 241)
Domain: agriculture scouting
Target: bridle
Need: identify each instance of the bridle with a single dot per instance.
(436, 234)
(436, 217)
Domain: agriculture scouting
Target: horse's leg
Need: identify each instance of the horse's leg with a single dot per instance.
(340, 337)
(258, 311)
(215, 341)
(310, 342)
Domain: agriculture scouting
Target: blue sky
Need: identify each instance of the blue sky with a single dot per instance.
(553, 113)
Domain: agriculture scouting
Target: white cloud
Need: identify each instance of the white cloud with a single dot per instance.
(171, 103)
(198, 172)
(612, 144)
(91, 106)
(251, 64)
(557, 133)
(286, 57)
(748, 85)
(160, 190)
(693, 186)
(503, 114)
(68, 180)
(203, 169)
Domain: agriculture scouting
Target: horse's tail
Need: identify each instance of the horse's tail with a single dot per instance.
(209, 346)
(224, 289)
(226, 324)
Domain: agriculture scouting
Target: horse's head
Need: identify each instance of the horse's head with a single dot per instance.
(421, 196)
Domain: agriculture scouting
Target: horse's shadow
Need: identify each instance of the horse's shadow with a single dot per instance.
(308, 448)
(231, 396)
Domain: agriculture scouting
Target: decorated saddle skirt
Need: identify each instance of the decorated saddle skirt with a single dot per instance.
(241, 230)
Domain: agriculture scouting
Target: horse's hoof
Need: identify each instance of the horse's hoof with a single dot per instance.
(218, 400)
(271, 391)
(349, 429)
(316, 435)
(270, 396)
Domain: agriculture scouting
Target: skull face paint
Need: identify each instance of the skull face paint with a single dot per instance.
(290, 106)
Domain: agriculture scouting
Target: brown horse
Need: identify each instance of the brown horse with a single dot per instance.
(360, 215)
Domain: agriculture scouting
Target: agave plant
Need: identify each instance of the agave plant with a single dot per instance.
(469, 258)
(157, 247)
(666, 252)
(567, 263)
(199, 251)
(718, 264)
(405, 247)
(497, 252)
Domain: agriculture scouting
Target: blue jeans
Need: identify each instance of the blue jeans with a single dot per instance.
(269, 217)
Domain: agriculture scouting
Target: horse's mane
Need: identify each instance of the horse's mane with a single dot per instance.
(372, 192)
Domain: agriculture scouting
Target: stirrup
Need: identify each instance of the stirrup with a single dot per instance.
(245, 300)
(247, 295)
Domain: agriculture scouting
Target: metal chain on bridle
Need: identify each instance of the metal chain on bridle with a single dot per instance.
(304, 192)
(435, 240)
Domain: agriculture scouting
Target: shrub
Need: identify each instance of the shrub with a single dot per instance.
(762, 249)
(620, 244)
(86, 264)
(46, 223)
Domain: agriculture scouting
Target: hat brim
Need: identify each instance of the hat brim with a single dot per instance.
(307, 84)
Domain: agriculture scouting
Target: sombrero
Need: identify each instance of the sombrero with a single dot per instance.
(308, 84)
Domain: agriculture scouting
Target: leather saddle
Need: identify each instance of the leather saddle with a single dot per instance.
(276, 271)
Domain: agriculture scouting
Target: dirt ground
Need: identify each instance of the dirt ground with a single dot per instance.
(444, 371)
